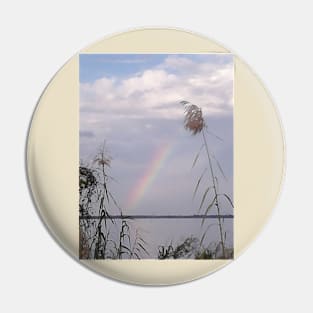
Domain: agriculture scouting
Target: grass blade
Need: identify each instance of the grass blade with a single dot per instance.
(125, 235)
(212, 134)
(202, 238)
(203, 197)
(198, 183)
(208, 208)
(137, 256)
(126, 248)
(106, 192)
(114, 201)
(140, 238)
(197, 157)
(219, 167)
(143, 248)
(204, 234)
(216, 183)
(228, 198)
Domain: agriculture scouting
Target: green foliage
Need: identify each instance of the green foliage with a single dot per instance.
(105, 238)
(191, 248)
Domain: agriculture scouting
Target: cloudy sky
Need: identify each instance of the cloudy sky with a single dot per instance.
(131, 101)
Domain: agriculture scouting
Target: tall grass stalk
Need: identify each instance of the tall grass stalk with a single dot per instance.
(194, 122)
(106, 238)
(215, 192)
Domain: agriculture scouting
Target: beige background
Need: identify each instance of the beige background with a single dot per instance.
(52, 157)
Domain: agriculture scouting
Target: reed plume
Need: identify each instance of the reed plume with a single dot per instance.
(194, 121)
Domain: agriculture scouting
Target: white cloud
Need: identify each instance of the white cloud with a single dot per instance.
(147, 81)
(156, 92)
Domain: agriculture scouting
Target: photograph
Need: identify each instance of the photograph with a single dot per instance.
(156, 156)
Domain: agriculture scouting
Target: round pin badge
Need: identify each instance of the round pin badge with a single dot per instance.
(155, 156)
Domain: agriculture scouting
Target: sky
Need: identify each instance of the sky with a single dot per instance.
(132, 102)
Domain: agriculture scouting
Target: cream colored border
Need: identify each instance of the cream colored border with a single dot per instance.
(52, 156)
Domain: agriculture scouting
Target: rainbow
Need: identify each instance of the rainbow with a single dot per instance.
(148, 176)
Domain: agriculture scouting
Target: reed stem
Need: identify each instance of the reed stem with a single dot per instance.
(215, 192)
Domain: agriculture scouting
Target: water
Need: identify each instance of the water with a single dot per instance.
(158, 233)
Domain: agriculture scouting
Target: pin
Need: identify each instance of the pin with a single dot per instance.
(149, 156)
